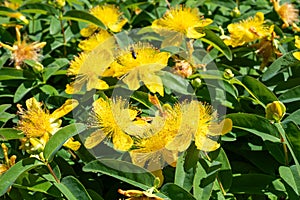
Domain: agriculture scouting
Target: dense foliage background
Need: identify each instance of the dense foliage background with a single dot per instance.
(255, 84)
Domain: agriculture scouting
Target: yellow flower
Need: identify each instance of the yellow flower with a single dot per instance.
(109, 15)
(88, 67)
(248, 30)
(12, 5)
(112, 118)
(197, 124)
(93, 41)
(140, 63)
(139, 195)
(297, 44)
(287, 12)
(38, 125)
(9, 162)
(151, 151)
(182, 20)
(22, 50)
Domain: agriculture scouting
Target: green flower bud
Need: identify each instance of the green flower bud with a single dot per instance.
(196, 83)
(228, 74)
(275, 111)
(235, 12)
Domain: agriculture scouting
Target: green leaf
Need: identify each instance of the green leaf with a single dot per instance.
(82, 16)
(14, 74)
(34, 183)
(202, 193)
(283, 62)
(176, 83)
(251, 183)
(291, 177)
(214, 40)
(123, 171)
(225, 174)
(50, 90)
(292, 133)
(59, 138)
(72, 189)
(39, 8)
(10, 134)
(295, 117)
(255, 124)
(23, 89)
(54, 26)
(174, 192)
(290, 95)
(259, 90)
(10, 176)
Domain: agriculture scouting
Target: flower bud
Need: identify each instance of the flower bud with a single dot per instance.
(235, 12)
(196, 83)
(228, 74)
(275, 111)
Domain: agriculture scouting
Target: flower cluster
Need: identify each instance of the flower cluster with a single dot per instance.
(160, 138)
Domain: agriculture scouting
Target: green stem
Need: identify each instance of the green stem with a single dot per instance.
(236, 81)
(63, 33)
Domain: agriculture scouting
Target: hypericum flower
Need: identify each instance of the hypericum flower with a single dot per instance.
(9, 162)
(287, 12)
(139, 195)
(178, 22)
(112, 118)
(297, 44)
(151, 151)
(88, 67)
(139, 63)
(22, 50)
(197, 123)
(248, 30)
(109, 15)
(12, 5)
(94, 40)
(38, 125)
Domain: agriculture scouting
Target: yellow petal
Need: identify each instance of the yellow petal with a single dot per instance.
(97, 84)
(122, 141)
(132, 80)
(88, 31)
(67, 107)
(153, 83)
(94, 139)
(71, 144)
(205, 144)
(222, 128)
(297, 55)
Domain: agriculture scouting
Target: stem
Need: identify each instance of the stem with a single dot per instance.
(236, 81)
(52, 173)
(285, 150)
(63, 33)
(221, 186)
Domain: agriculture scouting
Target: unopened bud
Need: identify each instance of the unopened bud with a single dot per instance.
(196, 83)
(275, 111)
(228, 74)
(235, 12)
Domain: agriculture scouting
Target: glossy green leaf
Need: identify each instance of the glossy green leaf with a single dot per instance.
(214, 40)
(295, 117)
(39, 8)
(176, 83)
(291, 177)
(290, 95)
(292, 132)
(34, 183)
(10, 134)
(174, 192)
(10, 176)
(251, 183)
(23, 89)
(256, 125)
(198, 191)
(282, 63)
(14, 74)
(123, 171)
(225, 174)
(83, 16)
(259, 90)
(60, 137)
(72, 189)
(50, 90)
